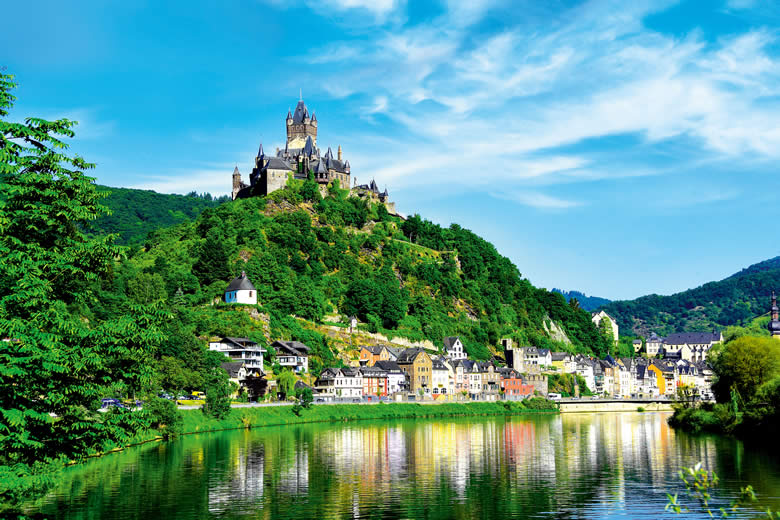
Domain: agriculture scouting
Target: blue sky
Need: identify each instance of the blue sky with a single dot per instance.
(618, 148)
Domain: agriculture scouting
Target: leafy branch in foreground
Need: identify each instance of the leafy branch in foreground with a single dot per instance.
(698, 483)
(56, 363)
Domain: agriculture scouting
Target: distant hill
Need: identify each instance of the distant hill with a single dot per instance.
(589, 303)
(735, 300)
(134, 213)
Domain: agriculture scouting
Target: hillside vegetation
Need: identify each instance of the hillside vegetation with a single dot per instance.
(135, 213)
(589, 303)
(312, 257)
(734, 300)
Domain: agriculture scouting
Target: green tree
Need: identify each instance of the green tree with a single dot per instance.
(218, 392)
(56, 365)
(286, 383)
(744, 365)
(146, 288)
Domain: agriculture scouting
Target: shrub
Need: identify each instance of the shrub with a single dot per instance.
(164, 416)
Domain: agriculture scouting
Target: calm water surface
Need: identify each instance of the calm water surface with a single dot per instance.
(617, 465)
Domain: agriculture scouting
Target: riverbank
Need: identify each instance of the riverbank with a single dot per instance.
(195, 421)
(755, 421)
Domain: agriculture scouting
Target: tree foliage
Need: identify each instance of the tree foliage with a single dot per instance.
(744, 365)
(55, 362)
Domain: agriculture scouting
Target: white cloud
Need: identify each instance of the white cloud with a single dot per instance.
(509, 101)
(214, 180)
(536, 200)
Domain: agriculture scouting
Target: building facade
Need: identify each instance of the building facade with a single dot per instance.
(241, 290)
(241, 349)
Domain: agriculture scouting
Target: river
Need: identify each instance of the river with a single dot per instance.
(607, 465)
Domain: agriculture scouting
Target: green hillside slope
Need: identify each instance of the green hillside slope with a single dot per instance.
(134, 213)
(310, 257)
(732, 301)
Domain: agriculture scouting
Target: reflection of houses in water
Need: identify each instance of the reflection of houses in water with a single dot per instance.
(295, 479)
(243, 482)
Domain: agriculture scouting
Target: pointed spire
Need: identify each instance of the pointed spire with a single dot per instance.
(289, 114)
(329, 153)
(235, 171)
(313, 116)
(260, 151)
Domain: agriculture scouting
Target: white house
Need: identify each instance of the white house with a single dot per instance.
(293, 355)
(241, 290)
(454, 348)
(396, 378)
(241, 349)
(443, 377)
(341, 383)
(654, 345)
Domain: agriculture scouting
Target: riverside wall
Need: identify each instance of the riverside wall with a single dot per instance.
(592, 406)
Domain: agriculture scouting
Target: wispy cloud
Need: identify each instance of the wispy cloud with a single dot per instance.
(536, 200)
(510, 98)
(210, 179)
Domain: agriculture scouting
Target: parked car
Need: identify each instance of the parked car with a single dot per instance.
(111, 402)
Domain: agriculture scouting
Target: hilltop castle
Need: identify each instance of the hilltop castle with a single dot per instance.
(301, 156)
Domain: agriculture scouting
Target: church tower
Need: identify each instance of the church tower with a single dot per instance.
(774, 322)
(236, 182)
(301, 126)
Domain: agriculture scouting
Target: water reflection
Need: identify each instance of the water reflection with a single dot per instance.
(570, 466)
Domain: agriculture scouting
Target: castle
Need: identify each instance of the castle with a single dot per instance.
(301, 157)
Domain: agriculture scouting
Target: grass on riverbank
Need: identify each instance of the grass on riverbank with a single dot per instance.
(194, 421)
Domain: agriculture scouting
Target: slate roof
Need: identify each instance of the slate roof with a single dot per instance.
(240, 283)
(690, 338)
(655, 338)
(449, 342)
(321, 169)
(438, 364)
(388, 366)
(232, 368)
(293, 348)
(309, 148)
(260, 151)
(559, 356)
(395, 351)
(374, 349)
(275, 163)
(409, 355)
(301, 112)
(373, 371)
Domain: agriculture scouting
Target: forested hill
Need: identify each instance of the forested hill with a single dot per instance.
(589, 303)
(732, 301)
(134, 213)
(311, 257)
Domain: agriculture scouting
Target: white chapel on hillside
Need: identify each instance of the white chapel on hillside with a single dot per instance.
(241, 290)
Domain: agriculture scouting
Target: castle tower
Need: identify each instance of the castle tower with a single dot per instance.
(236, 182)
(301, 126)
(339, 153)
(774, 322)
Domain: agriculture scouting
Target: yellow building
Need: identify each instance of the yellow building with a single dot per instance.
(418, 366)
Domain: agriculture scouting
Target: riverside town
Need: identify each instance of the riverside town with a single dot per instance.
(421, 260)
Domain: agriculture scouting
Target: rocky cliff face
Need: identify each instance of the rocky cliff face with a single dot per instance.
(555, 332)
